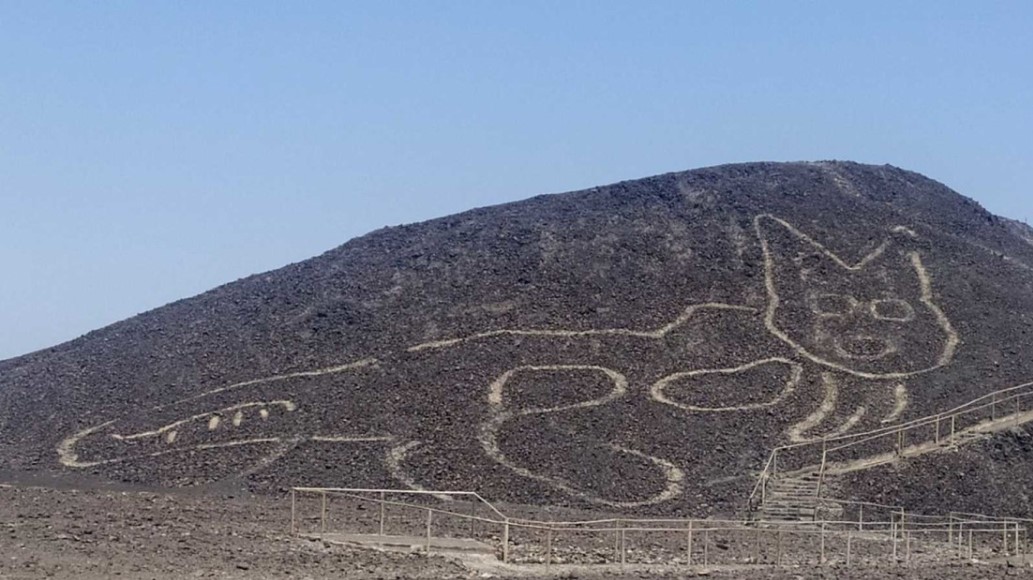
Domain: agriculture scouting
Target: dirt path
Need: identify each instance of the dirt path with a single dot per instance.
(106, 533)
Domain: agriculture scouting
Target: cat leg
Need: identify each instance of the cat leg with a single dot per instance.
(559, 447)
(826, 412)
(394, 461)
(901, 398)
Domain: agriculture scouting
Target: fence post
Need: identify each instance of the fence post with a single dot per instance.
(756, 546)
(294, 510)
(322, 516)
(953, 436)
(821, 472)
(950, 528)
(690, 543)
(774, 462)
(849, 537)
(1018, 551)
(860, 517)
(970, 544)
(430, 516)
(382, 508)
(958, 536)
(900, 441)
(907, 547)
(778, 558)
(1004, 534)
(706, 548)
(505, 541)
(548, 548)
(617, 541)
(993, 407)
(821, 561)
(937, 429)
(893, 531)
(473, 516)
(624, 545)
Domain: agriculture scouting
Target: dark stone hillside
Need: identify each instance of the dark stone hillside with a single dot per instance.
(639, 346)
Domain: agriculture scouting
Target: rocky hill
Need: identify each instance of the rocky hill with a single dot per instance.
(639, 346)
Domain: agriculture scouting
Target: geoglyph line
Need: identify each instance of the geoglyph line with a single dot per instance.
(774, 300)
(900, 397)
(393, 461)
(500, 414)
(841, 182)
(213, 421)
(72, 460)
(682, 318)
(796, 372)
(489, 436)
(366, 362)
(828, 405)
(850, 423)
(348, 439)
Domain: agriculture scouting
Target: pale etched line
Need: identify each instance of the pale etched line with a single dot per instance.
(66, 453)
(796, 372)
(489, 437)
(620, 388)
(841, 182)
(774, 300)
(70, 459)
(672, 474)
(351, 439)
(366, 362)
(868, 259)
(393, 461)
(656, 333)
(997, 254)
(849, 424)
(905, 230)
(73, 459)
(270, 458)
(213, 421)
(900, 398)
(953, 338)
(828, 405)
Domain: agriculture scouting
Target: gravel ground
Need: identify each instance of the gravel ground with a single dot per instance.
(87, 534)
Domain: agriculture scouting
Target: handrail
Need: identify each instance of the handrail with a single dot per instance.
(850, 440)
(897, 532)
(354, 490)
(640, 524)
(762, 482)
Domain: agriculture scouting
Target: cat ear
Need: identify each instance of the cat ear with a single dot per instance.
(785, 244)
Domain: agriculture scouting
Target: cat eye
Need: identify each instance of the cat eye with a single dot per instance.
(892, 310)
(833, 304)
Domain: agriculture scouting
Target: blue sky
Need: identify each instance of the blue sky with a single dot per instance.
(152, 150)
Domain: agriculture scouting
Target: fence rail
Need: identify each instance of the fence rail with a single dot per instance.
(950, 427)
(344, 512)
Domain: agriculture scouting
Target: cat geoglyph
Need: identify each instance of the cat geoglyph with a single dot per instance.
(874, 322)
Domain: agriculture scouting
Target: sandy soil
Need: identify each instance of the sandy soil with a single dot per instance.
(87, 534)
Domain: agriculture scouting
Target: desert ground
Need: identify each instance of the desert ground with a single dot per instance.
(88, 531)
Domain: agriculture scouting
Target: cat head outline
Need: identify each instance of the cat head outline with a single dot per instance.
(872, 319)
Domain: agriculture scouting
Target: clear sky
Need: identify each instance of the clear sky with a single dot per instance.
(152, 150)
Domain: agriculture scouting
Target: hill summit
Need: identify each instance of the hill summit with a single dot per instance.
(641, 345)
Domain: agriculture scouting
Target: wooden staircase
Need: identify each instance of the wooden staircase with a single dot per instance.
(795, 498)
(795, 495)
